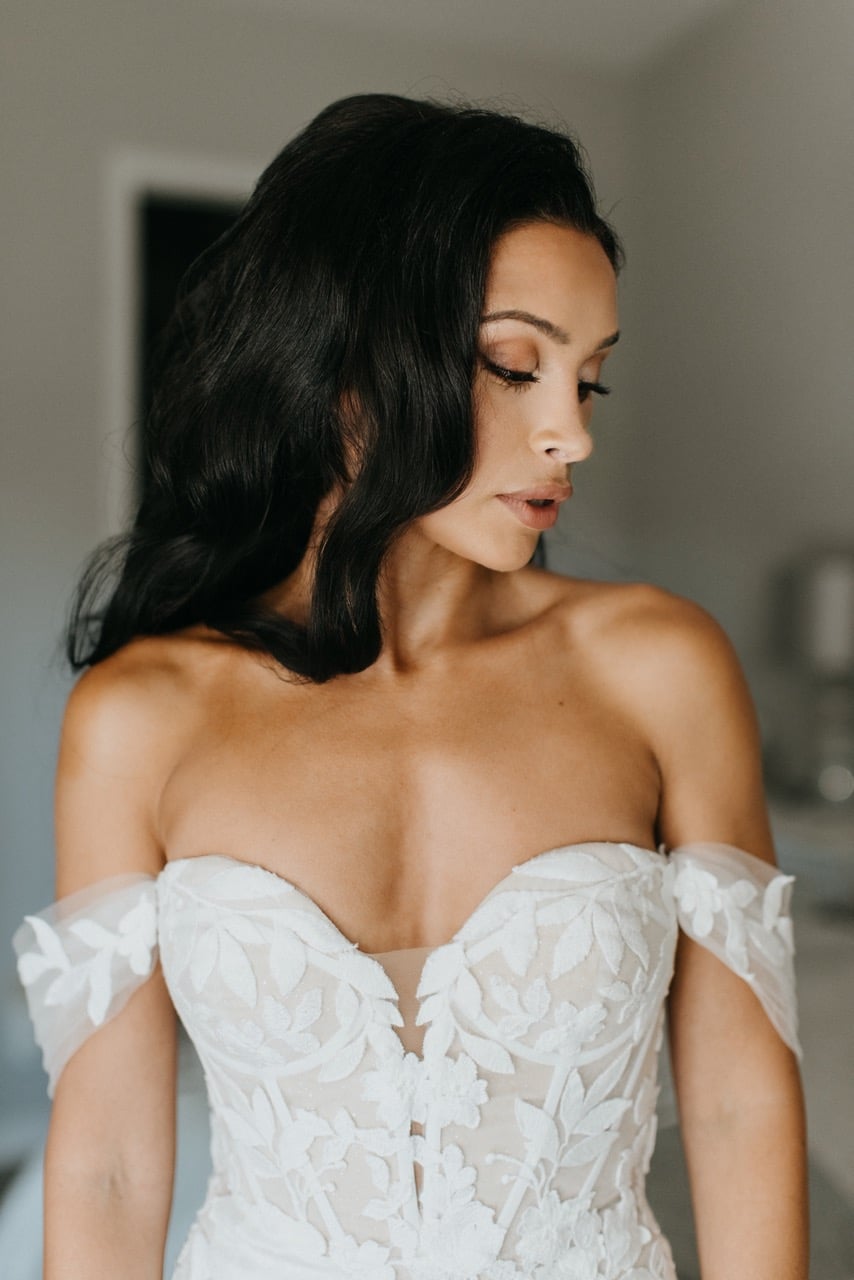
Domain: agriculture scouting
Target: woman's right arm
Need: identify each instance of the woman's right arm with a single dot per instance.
(109, 1159)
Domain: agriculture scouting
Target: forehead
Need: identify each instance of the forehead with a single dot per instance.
(555, 271)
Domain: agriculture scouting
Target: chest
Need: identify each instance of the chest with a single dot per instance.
(398, 807)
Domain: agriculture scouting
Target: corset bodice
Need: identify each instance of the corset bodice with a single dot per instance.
(514, 1142)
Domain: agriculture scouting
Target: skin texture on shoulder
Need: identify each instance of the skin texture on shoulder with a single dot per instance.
(126, 723)
(675, 670)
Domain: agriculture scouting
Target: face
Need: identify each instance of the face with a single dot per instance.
(549, 323)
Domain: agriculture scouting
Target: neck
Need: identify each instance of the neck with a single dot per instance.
(430, 599)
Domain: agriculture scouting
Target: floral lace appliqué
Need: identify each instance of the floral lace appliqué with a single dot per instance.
(514, 1146)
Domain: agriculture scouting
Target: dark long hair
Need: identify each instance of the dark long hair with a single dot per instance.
(354, 275)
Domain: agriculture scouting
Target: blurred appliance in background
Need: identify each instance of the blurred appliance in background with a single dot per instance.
(808, 723)
(811, 758)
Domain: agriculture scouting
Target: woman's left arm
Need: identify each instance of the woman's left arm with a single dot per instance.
(738, 1086)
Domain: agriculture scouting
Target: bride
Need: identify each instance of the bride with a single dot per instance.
(420, 840)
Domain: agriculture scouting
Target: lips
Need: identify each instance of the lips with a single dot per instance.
(538, 507)
(540, 493)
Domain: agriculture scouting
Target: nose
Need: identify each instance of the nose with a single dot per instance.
(573, 444)
(561, 455)
(561, 427)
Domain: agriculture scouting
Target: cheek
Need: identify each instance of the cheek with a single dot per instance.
(496, 424)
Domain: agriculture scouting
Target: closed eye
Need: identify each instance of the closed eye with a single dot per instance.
(516, 378)
(519, 379)
(585, 388)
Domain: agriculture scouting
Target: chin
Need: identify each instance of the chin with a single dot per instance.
(502, 558)
(498, 549)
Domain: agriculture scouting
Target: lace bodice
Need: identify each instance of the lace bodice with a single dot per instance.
(486, 1108)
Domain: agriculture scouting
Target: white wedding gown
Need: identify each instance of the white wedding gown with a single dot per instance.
(483, 1109)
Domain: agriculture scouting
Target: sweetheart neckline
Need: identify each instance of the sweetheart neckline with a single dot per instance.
(428, 949)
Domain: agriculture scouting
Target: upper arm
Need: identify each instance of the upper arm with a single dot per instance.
(704, 731)
(109, 774)
(113, 1112)
(741, 1107)
(700, 717)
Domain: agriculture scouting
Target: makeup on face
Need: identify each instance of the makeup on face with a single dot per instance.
(514, 358)
(535, 514)
(549, 321)
(542, 355)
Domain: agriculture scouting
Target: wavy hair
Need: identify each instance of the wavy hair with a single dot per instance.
(354, 275)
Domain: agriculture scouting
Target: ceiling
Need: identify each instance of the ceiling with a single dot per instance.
(617, 35)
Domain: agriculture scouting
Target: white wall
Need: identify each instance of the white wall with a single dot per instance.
(85, 79)
(742, 279)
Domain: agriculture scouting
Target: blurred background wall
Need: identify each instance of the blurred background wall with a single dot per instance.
(719, 137)
(741, 291)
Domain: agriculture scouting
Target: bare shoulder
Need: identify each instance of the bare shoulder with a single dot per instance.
(125, 725)
(120, 707)
(669, 652)
(665, 658)
(674, 669)
(641, 627)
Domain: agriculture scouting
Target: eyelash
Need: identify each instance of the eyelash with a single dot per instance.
(518, 380)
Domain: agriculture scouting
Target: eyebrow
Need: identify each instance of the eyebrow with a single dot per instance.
(544, 326)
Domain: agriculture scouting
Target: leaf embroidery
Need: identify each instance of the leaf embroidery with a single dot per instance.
(534, 1090)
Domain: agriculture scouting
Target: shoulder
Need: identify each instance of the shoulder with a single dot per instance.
(639, 625)
(126, 723)
(124, 703)
(667, 667)
(653, 631)
(666, 660)
(674, 656)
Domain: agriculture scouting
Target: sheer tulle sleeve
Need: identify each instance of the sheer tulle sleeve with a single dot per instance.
(81, 959)
(738, 906)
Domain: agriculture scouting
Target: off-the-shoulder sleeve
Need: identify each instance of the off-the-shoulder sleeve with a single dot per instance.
(738, 906)
(81, 959)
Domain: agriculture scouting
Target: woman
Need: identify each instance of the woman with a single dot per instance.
(406, 828)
